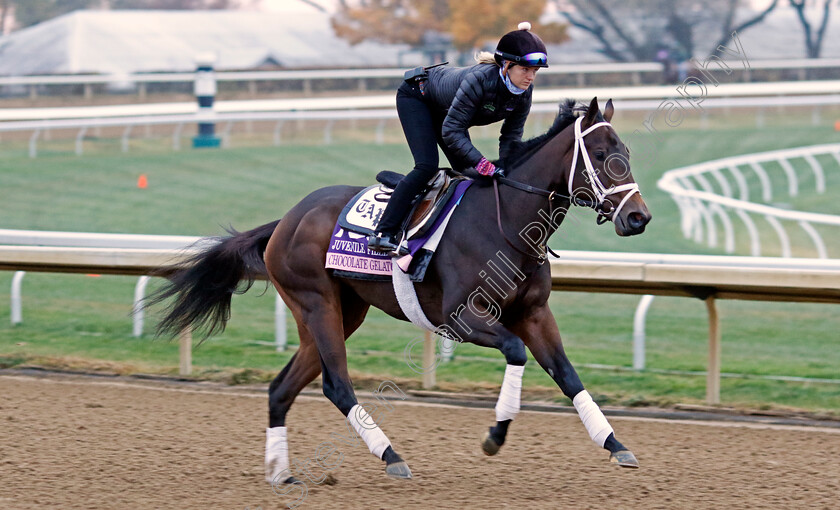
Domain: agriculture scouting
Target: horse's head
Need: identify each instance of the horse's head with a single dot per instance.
(600, 174)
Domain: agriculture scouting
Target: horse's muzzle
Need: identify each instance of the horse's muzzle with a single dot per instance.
(632, 220)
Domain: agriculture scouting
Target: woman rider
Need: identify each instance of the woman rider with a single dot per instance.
(439, 109)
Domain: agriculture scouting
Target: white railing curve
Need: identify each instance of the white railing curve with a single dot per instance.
(701, 206)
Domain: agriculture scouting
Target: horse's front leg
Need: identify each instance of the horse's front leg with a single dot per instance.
(539, 332)
(484, 330)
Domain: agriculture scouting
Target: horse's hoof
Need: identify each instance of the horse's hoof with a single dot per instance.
(624, 458)
(398, 470)
(275, 481)
(488, 446)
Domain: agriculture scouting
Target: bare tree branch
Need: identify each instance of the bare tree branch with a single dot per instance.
(726, 36)
(823, 26)
(597, 31)
(813, 46)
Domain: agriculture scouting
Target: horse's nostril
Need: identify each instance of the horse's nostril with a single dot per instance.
(636, 220)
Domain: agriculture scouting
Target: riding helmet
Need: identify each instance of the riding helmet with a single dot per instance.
(522, 47)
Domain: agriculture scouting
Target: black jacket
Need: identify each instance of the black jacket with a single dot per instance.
(476, 96)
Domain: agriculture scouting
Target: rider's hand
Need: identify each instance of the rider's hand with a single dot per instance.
(485, 167)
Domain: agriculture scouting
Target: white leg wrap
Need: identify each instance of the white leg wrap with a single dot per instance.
(593, 419)
(374, 438)
(276, 454)
(508, 405)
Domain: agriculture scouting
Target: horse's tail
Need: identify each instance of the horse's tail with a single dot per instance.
(202, 286)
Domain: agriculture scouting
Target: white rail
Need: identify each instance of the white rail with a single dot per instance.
(704, 206)
(767, 93)
(705, 277)
(87, 118)
(79, 250)
(362, 74)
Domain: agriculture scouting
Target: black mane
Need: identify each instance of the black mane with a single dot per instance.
(522, 150)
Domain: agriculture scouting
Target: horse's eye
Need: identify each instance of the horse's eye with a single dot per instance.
(600, 155)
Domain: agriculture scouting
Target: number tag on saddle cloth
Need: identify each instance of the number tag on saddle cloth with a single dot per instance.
(363, 212)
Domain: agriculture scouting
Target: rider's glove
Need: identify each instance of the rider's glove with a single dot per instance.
(486, 168)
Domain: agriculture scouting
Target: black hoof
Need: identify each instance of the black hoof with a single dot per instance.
(488, 445)
(398, 470)
(624, 458)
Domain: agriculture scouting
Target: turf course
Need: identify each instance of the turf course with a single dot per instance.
(82, 321)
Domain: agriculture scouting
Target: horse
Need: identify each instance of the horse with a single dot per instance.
(573, 163)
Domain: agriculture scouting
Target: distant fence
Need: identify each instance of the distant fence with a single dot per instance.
(365, 79)
(705, 277)
(726, 95)
(38, 121)
(714, 192)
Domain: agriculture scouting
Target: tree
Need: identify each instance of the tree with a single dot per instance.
(471, 23)
(813, 41)
(629, 30)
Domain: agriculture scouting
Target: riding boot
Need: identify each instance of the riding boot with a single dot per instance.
(388, 232)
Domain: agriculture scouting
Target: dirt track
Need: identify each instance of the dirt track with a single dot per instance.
(68, 443)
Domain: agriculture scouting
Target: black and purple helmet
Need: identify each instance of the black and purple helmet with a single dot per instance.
(522, 47)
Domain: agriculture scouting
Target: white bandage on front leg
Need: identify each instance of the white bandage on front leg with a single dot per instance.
(276, 454)
(368, 430)
(508, 405)
(593, 419)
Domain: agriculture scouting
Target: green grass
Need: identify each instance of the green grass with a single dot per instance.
(77, 320)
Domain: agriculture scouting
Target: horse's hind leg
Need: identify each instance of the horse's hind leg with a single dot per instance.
(302, 369)
(540, 334)
(325, 325)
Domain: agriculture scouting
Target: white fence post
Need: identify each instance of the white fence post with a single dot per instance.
(185, 352)
(17, 307)
(137, 310)
(639, 331)
(280, 339)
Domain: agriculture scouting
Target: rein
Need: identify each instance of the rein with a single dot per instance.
(541, 258)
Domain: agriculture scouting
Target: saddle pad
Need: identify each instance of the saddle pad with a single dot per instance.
(348, 254)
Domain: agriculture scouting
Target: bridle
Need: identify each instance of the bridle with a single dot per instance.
(601, 192)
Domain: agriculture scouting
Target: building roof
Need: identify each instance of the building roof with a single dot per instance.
(115, 42)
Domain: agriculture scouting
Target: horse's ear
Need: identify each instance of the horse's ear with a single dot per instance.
(591, 113)
(609, 109)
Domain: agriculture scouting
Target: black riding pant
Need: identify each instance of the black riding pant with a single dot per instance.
(422, 128)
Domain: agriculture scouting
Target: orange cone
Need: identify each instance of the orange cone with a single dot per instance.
(142, 182)
(837, 126)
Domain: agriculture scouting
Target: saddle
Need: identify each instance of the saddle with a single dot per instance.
(430, 203)
(362, 213)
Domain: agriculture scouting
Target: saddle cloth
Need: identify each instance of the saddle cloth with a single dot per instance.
(348, 254)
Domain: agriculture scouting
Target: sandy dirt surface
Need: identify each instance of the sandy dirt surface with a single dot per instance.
(79, 443)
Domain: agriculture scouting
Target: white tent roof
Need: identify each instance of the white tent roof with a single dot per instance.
(111, 42)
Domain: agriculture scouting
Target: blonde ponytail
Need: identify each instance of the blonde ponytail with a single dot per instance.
(484, 57)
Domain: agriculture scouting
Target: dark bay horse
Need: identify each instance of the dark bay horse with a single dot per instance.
(487, 283)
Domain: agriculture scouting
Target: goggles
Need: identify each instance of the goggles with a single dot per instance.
(536, 59)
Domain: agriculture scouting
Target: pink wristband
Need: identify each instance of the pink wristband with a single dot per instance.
(485, 167)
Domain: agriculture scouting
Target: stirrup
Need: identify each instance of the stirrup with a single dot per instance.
(382, 242)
